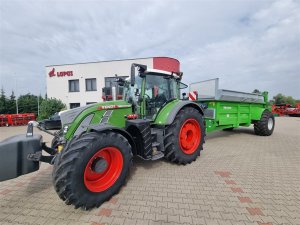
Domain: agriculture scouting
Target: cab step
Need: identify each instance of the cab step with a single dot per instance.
(158, 155)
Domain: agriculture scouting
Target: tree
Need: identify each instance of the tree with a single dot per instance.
(279, 99)
(290, 100)
(28, 104)
(11, 104)
(282, 99)
(49, 107)
(3, 102)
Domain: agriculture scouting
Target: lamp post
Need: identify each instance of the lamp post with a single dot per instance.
(16, 84)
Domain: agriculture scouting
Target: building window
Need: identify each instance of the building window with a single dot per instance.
(111, 82)
(88, 103)
(74, 105)
(90, 84)
(73, 85)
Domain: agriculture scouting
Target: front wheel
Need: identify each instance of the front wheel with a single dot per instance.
(92, 168)
(185, 136)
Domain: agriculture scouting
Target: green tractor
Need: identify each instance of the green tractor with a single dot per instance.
(93, 151)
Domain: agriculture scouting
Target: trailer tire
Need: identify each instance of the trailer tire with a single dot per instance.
(91, 168)
(265, 126)
(184, 137)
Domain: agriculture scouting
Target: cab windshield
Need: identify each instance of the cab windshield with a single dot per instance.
(157, 91)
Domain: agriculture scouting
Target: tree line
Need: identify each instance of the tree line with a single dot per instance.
(29, 103)
(281, 99)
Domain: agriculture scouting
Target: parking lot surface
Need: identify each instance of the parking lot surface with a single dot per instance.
(240, 178)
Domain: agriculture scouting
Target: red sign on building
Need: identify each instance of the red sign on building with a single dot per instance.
(60, 74)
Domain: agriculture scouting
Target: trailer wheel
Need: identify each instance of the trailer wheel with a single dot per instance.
(265, 126)
(185, 137)
(92, 168)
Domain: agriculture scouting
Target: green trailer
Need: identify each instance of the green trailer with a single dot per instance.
(226, 109)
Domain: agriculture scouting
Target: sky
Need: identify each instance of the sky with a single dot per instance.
(248, 44)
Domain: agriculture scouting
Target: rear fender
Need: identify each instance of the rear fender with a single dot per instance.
(167, 115)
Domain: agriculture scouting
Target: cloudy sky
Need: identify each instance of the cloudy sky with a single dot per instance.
(247, 44)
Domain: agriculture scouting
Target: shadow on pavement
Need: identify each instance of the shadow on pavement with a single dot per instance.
(229, 133)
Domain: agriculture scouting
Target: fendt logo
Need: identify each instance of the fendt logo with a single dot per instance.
(60, 74)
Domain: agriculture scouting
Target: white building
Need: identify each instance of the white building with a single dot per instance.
(81, 84)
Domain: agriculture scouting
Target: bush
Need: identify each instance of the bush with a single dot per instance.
(49, 107)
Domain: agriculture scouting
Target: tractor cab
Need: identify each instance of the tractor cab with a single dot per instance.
(148, 90)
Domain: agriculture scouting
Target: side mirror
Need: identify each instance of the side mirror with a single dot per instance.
(141, 69)
(132, 75)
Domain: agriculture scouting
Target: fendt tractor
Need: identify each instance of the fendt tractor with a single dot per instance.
(92, 153)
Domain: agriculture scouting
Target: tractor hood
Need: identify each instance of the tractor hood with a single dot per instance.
(68, 116)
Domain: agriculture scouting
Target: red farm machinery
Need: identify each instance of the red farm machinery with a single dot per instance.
(286, 110)
(16, 119)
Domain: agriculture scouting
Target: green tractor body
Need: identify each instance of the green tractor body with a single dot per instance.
(93, 151)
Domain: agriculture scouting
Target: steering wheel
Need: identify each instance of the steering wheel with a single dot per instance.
(149, 101)
(148, 97)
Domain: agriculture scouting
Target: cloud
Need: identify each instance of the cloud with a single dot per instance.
(248, 44)
(265, 56)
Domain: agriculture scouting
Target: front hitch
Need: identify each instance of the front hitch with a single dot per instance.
(36, 124)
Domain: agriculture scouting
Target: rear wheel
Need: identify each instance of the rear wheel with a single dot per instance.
(185, 137)
(92, 168)
(265, 126)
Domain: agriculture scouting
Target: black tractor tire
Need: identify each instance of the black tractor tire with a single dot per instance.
(76, 160)
(265, 126)
(174, 151)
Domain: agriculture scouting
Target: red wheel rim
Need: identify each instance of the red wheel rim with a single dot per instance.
(189, 136)
(112, 163)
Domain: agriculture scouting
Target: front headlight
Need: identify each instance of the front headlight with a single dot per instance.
(66, 127)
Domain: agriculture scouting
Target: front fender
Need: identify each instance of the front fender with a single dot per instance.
(108, 127)
(168, 113)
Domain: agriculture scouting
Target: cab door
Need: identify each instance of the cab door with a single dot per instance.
(157, 91)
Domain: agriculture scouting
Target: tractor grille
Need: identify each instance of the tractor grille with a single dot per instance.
(106, 116)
